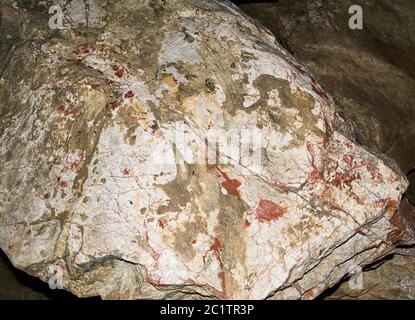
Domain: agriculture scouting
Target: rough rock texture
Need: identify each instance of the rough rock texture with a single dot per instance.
(390, 278)
(393, 279)
(410, 193)
(90, 186)
(370, 74)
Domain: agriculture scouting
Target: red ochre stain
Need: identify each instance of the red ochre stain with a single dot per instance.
(76, 165)
(84, 50)
(348, 144)
(155, 255)
(126, 171)
(348, 159)
(119, 72)
(193, 241)
(161, 223)
(230, 185)
(113, 105)
(308, 295)
(317, 90)
(315, 174)
(129, 94)
(222, 279)
(246, 223)
(268, 211)
(216, 245)
(63, 184)
(392, 205)
(375, 174)
(65, 111)
(345, 179)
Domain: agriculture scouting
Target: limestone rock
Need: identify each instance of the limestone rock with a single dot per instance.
(370, 74)
(98, 192)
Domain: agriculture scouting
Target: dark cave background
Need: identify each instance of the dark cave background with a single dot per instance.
(382, 57)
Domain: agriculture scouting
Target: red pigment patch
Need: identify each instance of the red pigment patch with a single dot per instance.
(375, 173)
(348, 159)
(76, 165)
(129, 94)
(126, 171)
(63, 184)
(155, 255)
(113, 105)
(348, 144)
(65, 111)
(268, 211)
(230, 185)
(346, 178)
(317, 90)
(321, 93)
(222, 278)
(193, 241)
(392, 205)
(308, 295)
(161, 224)
(246, 223)
(119, 72)
(84, 50)
(216, 245)
(315, 174)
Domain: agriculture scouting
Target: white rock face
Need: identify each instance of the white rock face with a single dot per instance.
(110, 184)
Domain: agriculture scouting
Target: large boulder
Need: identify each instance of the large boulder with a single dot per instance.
(112, 182)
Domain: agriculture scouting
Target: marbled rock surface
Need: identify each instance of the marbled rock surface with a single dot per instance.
(370, 74)
(95, 184)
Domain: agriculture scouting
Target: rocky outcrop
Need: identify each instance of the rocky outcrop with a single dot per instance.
(116, 180)
(370, 73)
(392, 280)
